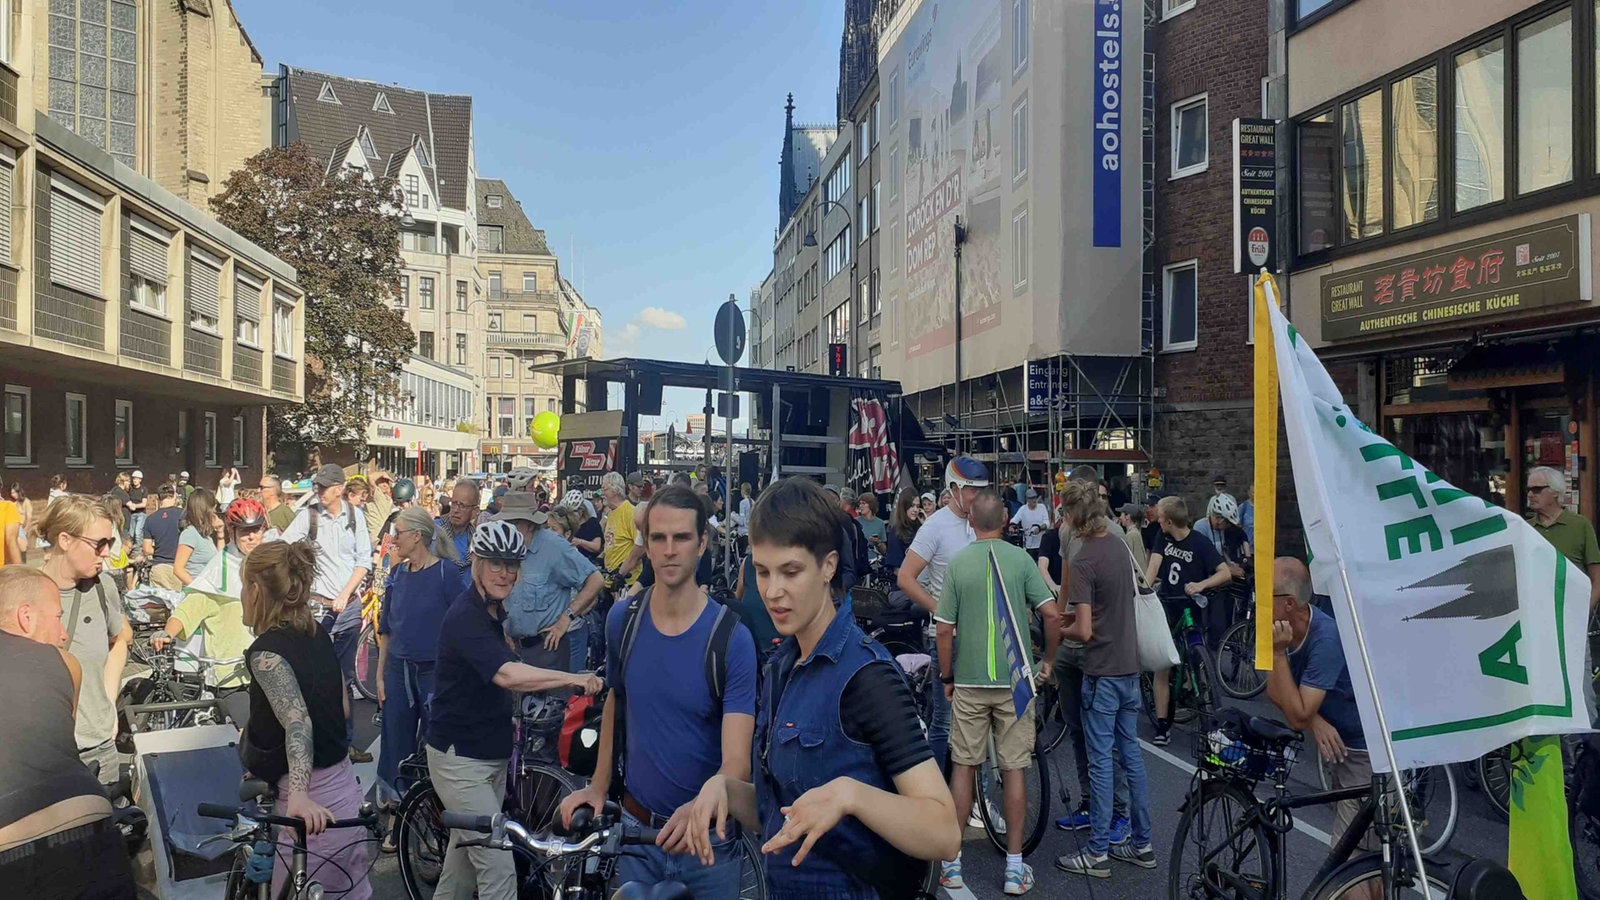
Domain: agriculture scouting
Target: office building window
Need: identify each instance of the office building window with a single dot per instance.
(494, 367)
(238, 440)
(1019, 247)
(461, 296)
(894, 97)
(874, 302)
(1414, 146)
(876, 124)
(283, 329)
(1480, 125)
(93, 72)
(838, 254)
(1316, 157)
(461, 348)
(425, 344)
(1019, 33)
(495, 289)
(530, 282)
(1019, 139)
(77, 439)
(75, 237)
(213, 457)
(1361, 176)
(19, 425)
(1544, 102)
(404, 299)
(1179, 283)
(838, 186)
(505, 417)
(1190, 151)
(204, 290)
(864, 216)
(425, 292)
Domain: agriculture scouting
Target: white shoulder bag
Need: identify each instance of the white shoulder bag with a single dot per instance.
(1157, 651)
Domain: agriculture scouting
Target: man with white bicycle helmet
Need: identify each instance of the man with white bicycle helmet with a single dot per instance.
(519, 478)
(944, 534)
(469, 726)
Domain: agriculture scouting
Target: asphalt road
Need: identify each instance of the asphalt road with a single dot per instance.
(1479, 831)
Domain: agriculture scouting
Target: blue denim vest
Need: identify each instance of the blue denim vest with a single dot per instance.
(801, 744)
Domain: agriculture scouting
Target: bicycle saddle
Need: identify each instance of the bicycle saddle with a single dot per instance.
(667, 890)
(1269, 730)
(253, 789)
(1484, 879)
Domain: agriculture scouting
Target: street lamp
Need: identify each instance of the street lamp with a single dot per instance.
(811, 236)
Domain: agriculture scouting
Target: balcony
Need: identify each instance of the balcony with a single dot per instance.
(529, 340)
(549, 299)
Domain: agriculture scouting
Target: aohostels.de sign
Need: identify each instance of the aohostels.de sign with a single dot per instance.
(1501, 275)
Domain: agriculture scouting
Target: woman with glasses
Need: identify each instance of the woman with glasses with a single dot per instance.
(201, 538)
(420, 588)
(78, 536)
(469, 720)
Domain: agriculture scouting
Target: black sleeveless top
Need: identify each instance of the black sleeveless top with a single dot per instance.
(316, 669)
(39, 764)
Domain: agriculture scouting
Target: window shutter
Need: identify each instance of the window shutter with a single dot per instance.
(5, 213)
(247, 299)
(204, 286)
(147, 255)
(74, 243)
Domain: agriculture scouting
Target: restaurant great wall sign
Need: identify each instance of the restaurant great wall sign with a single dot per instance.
(1496, 277)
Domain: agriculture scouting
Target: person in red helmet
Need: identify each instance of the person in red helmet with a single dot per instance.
(210, 609)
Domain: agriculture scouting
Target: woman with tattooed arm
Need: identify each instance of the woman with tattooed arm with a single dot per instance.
(296, 733)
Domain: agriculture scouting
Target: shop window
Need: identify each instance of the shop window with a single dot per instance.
(213, 456)
(1480, 133)
(1316, 158)
(19, 425)
(1361, 181)
(1414, 145)
(1544, 102)
(122, 435)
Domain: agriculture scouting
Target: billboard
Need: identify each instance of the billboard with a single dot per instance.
(1021, 120)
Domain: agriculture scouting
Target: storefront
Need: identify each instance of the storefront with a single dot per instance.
(410, 450)
(1476, 357)
(503, 456)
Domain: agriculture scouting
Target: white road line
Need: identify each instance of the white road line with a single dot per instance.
(1302, 827)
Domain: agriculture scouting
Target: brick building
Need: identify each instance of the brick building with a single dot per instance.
(135, 331)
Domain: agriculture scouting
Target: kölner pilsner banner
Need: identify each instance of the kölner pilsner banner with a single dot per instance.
(1474, 624)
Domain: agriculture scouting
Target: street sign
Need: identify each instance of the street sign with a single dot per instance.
(723, 406)
(412, 451)
(730, 331)
(838, 360)
(1255, 194)
(1044, 376)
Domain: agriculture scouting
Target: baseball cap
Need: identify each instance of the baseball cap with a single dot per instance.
(831, 488)
(1130, 509)
(330, 474)
(927, 495)
(137, 474)
(1031, 494)
(635, 477)
(520, 506)
(1220, 479)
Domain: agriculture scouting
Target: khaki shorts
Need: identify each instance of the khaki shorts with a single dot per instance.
(1355, 771)
(163, 575)
(974, 714)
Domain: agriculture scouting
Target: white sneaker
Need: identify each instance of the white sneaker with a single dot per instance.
(975, 820)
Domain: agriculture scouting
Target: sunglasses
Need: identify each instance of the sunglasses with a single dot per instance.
(1536, 488)
(100, 546)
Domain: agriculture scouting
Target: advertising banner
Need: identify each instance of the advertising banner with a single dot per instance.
(583, 462)
(1255, 195)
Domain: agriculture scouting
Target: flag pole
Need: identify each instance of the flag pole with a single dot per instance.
(1366, 664)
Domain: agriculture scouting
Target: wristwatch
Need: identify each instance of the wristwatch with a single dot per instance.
(948, 679)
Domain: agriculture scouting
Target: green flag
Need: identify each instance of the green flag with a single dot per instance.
(1541, 851)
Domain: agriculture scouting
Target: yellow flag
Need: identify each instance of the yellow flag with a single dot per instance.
(1540, 854)
(1265, 495)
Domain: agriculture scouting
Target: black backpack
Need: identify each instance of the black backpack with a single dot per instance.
(313, 511)
(715, 666)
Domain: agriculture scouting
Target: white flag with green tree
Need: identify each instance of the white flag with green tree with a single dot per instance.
(1474, 624)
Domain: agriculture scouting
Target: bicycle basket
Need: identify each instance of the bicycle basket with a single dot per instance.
(1229, 746)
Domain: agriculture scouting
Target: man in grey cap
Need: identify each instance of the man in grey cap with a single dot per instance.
(557, 586)
(635, 482)
(344, 555)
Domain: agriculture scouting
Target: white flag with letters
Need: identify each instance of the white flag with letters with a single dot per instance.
(1474, 624)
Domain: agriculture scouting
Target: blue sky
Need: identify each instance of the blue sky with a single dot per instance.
(642, 136)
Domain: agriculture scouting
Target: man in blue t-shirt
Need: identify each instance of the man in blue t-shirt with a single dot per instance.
(676, 734)
(1310, 682)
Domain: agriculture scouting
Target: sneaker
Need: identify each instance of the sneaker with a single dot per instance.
(1085, 863)
(1163, 734)
(1143, 857)
(1121, 830)
(359, 756)
(950, 876)
(1076, 821)
(1019, 882)
(974, 820)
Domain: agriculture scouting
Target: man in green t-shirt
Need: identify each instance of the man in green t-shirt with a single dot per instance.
(1567, 531)
(977, 674)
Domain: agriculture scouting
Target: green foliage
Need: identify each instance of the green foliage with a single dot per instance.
(341, 235)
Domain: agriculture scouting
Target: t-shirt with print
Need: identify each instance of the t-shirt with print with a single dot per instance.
(591, 530)
(1102, 579)
(619, 534)
(10, 518)
(92, 614)
(162, 530)
(968, 602)
(674, 732)
(1319, 662)
(1033, 523)
(1190, 560)
(938, 541)
(203, 549)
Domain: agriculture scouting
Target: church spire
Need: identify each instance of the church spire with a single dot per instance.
(787, 199)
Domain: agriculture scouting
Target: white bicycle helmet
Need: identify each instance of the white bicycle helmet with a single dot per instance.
(1225, 506)
(519, 478)
(964, 471)
(499, 540)
(573, 499)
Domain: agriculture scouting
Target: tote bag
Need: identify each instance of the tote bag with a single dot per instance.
(1157, 651)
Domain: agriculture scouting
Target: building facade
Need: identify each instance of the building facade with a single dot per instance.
(138, 332)
(427, 430)
(1446, 183)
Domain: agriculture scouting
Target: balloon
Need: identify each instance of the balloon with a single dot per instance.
(546, 429)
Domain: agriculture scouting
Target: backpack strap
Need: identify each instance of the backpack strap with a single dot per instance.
(315, 512)
(716, 660)
(619, 726)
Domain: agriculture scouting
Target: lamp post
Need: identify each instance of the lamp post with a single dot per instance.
(811, 241)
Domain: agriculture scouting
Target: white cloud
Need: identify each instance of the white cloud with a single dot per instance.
(656, 317)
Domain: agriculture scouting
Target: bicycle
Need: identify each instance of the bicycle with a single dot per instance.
(257, 852)
(1194, 679)
(1230, 843)
(367, 674)
(1435, 802)
(1237, 674)
(167, 698)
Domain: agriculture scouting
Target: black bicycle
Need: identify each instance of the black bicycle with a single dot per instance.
(257, 853)
(1230, 843)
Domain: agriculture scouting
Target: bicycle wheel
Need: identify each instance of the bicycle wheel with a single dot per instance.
(239, 887)
(537, 790)
(1237, 674)
(1584, 831)
(1362, 877)
(367, 674)
(1216, 852)
(752, 870)
(990, 797)
(1052, 721)
(1183, 711)
(1494, 774)
(422, 840)
(1435, 803)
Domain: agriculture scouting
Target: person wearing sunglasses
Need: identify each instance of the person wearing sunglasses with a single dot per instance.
(77, 533)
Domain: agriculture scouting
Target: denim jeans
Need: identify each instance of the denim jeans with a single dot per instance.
(1111, 720)
(939, 728)
(1070, 679)
(649, 864)
(136, 528)
(407, 684)
(578, 634)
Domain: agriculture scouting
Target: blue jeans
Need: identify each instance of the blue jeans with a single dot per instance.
(407, 685)
(1070, 677)
(649, 864)
(1111, 720)
(578, 634)
(136, 528)
(939, 728)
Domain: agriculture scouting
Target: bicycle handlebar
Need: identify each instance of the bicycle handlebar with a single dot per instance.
(222, 811)
(506, 833)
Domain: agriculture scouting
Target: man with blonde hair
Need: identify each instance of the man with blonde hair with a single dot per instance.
(1187, 565)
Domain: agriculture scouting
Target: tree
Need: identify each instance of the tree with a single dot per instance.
(342, 235)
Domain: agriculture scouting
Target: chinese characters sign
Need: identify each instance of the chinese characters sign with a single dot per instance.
(1499, 276)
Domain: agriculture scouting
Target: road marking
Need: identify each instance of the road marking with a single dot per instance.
(1302, 827)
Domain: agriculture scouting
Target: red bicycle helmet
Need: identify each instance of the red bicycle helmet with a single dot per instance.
(247, 513)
